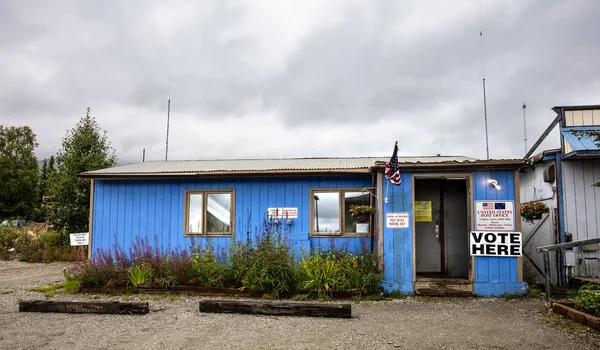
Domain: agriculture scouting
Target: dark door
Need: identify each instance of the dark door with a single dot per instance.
(429, 226)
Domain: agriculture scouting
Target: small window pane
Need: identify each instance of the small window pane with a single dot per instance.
(327, 212)
(353, 198)
(218, 216)
(195, 213)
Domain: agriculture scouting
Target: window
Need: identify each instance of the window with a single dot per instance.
(331, 211)
(209, 212)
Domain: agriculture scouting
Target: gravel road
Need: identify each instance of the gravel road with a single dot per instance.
(176, 323)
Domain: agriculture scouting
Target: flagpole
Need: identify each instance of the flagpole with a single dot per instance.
(386, 191)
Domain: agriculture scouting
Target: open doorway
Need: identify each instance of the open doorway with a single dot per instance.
(442, 221)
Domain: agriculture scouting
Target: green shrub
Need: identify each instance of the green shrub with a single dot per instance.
(264, 266)
(104, 271)
(588, 299)
(8, 237)
(44, 246)
(208, 270)
(269, 268)
(139, 275)
(326, 272)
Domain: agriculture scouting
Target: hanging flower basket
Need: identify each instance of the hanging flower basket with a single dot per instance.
(362, 212)
(533, 211)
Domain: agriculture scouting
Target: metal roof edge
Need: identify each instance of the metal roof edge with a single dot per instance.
(513, 163)
(576, 107)
(228, 173)
(541, 155)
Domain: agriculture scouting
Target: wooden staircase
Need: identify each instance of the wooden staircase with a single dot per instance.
(444, 287)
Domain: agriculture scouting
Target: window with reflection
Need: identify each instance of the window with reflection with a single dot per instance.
(331, 211)
(326, 217)
(353, 198)
(209, 212)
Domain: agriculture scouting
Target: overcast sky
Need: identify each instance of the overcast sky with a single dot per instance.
(297, 79)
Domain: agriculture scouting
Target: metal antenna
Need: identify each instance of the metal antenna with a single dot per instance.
(487, 147)
(525, 126)
(144, 155)
(168, 117)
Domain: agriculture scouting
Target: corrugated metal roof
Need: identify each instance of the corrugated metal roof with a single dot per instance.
(264, 165)
(581, 142)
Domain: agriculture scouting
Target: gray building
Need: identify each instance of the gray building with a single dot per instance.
(563, 179)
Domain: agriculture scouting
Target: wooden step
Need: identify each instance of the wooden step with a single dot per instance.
(445, 293)
(466, 287)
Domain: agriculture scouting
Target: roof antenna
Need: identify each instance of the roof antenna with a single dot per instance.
(168, 117)
(487, 147)
(525, 126)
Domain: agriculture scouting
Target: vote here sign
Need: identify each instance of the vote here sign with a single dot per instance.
(484, 243)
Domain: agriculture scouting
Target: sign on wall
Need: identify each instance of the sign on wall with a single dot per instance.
(79, 238)
(282, 213)
(396, 220)
(495, 243)
(423, 211)
(494, 215)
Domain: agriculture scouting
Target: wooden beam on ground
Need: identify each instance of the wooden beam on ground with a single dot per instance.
(276, 309)
(74, 307)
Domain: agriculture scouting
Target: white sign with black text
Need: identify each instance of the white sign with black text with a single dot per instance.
(79, 238)
(396, 220)
(495, 243)
(494, 215)
(282, 213)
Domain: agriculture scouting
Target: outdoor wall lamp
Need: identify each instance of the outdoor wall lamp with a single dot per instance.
(494, 183)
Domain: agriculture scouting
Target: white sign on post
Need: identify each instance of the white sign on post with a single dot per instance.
(396, 220)
(282, 213)
(494, 215)
(495, 243)
(79, 238)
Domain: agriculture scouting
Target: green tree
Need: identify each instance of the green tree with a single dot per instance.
(18, 172)
(84, 148)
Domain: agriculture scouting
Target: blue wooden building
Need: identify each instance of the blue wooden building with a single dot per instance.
(420, 230)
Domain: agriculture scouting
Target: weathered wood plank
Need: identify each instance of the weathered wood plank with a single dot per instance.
(577, 316)
(279, 309)
(84, 307)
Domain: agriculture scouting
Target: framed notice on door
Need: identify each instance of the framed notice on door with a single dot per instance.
(494, 215)
(423, 211)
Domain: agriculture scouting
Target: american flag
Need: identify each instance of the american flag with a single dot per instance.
(496, 206)
(392, 173)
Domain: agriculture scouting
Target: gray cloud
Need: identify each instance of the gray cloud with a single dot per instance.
(305, 79)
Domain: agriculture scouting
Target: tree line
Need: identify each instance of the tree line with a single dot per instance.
(54, 193)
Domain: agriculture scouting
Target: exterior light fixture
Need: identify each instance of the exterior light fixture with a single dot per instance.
(494, 183)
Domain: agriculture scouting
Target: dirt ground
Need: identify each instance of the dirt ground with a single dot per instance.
(175, 323)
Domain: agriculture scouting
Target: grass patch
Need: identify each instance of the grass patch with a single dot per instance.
(70, 286)
(395, 295)
(7, 292)
(535, 293)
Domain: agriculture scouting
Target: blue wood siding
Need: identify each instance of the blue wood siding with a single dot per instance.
(493, 275)
(154, 209)
(496, 275)
(397, 243)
